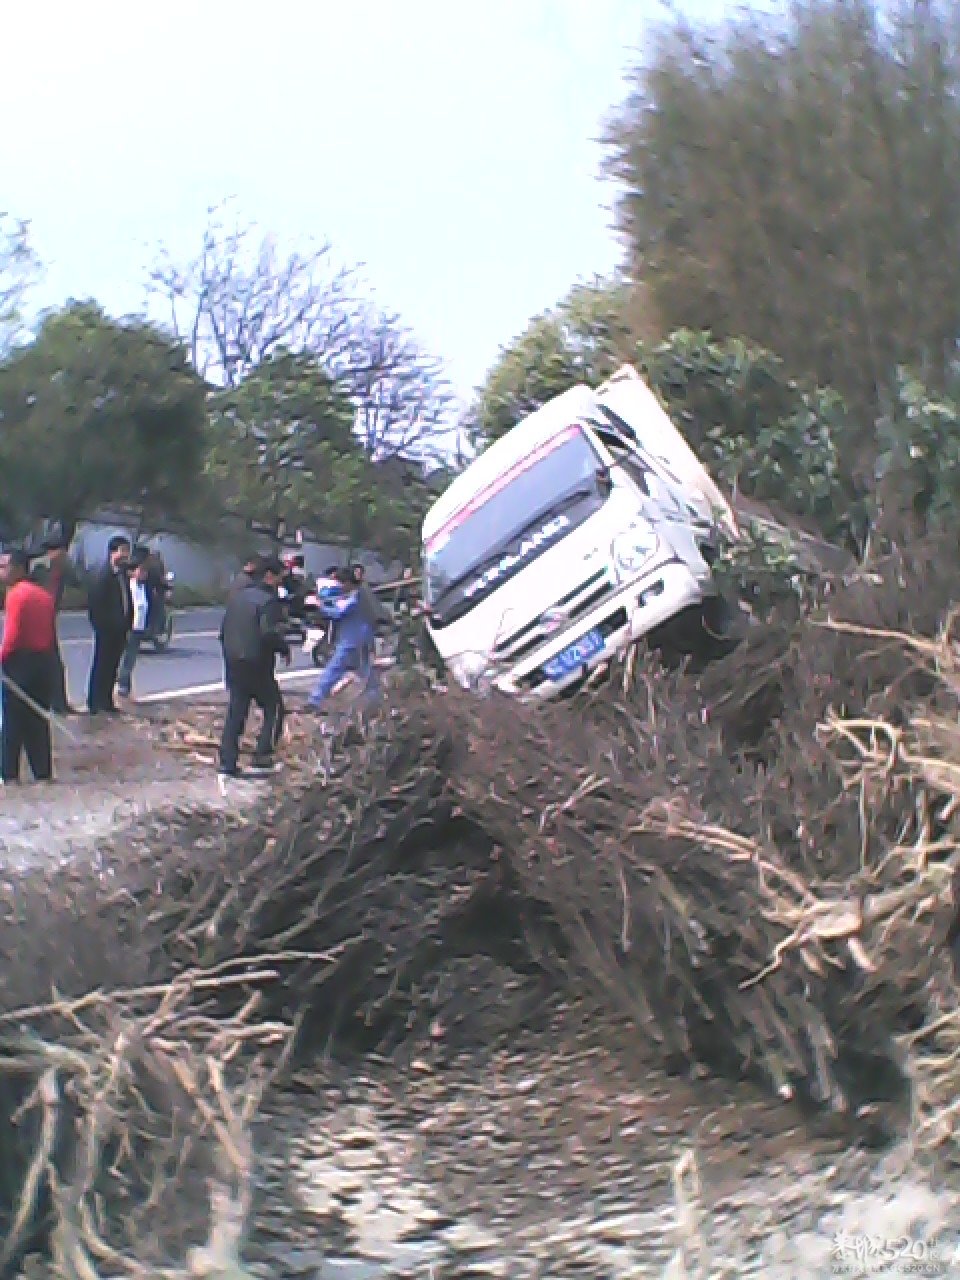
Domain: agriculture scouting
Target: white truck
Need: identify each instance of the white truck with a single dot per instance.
(584, 528)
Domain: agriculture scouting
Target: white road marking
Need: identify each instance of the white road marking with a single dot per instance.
(178, 636)
(198, 690)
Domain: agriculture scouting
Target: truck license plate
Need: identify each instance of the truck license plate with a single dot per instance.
(575, 655)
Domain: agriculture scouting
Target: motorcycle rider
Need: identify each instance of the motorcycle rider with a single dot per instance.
(296, 586)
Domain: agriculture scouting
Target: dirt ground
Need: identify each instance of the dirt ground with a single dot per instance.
(566, 1152)
(565, 1155)
(110, 773)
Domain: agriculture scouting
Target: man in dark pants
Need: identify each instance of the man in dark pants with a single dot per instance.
(251, 636)
(110, 610)
(243, 579)
(26, 659)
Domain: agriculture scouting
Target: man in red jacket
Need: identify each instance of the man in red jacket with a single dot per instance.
(26, 660)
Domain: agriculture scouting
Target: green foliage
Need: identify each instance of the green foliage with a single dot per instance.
(792, 176)
(585, 338)
(758, 430)
(919, 460)
(97, 412)
(766, 573)
(277, 438)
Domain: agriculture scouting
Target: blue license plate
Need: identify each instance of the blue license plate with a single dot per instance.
(574, 656)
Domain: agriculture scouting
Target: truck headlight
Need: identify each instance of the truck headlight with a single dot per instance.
(633, 548)
(471, 669)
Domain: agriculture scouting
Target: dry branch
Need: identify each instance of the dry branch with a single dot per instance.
(758, 866)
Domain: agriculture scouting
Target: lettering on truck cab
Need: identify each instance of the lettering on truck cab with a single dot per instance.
(531, 544)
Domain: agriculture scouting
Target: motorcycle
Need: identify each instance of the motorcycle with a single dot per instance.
(294, 619)
(160, 634)
(318, 633)
(319, 641)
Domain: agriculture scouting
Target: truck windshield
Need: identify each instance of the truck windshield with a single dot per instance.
(538, 488)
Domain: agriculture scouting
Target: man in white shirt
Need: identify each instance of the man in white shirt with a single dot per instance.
(141, 596)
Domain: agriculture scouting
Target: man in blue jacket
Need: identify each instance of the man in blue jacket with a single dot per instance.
(356, 625)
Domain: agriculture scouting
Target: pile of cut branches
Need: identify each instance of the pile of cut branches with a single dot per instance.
(127, 1120)
(756, 865)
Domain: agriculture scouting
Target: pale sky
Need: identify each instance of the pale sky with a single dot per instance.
(448, 146)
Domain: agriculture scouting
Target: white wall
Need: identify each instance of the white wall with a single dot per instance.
(201, 569)
(195, 567)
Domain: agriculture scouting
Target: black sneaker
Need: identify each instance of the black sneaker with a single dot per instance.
(263, 764)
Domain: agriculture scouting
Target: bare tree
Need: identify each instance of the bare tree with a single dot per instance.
(244, 299)
(405, 405)
(19, 270)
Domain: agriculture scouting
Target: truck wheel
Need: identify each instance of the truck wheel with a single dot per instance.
(721, 624)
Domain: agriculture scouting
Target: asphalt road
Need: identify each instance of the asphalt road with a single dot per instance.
(191, 666)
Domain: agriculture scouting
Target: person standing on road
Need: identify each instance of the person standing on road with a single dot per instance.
(27, 663)
(110, 610)
(143, 598)
(247, 573)
(251, 636)
(247, 576)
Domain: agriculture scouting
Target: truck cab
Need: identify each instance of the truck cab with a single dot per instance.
(586, 527)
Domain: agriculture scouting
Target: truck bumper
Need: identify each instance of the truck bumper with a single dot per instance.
(633, 612)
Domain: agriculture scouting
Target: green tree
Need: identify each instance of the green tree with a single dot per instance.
(757, 429)
(98, 412)
(279, 440)
(285, 453)
(585, 338)
(793, 178)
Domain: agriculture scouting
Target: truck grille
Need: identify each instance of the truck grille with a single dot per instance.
(584, 597)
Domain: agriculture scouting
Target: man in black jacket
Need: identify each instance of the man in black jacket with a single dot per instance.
(110, 610)
(251, 636)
